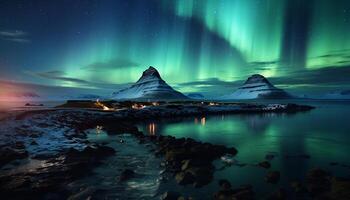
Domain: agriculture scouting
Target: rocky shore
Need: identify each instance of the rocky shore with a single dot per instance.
(43, 152)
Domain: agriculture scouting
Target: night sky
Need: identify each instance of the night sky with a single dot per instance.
(206, 46)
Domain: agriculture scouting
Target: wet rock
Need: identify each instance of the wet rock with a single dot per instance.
(298, 187)
(317, 182)
(170, 195)
(19, 145)
(187, 156)
(186, 164)
(184, 178)
(84, 194)
(244, 193)
(340, 188)
(224, 184)
(202, 175)
(8, 154)
(126, 175)
(280, 194)
(264, 164)
(272, 177)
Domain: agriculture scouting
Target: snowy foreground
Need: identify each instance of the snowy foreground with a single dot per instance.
(97, 152)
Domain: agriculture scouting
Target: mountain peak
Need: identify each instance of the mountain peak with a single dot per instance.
(149, 86)
(257, 78)
(151, 71)
(257, 86)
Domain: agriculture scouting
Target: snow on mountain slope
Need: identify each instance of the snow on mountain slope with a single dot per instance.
(149, 86)
(257, 86)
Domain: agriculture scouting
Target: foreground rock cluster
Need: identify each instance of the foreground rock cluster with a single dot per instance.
(49, 178)
(190, 160)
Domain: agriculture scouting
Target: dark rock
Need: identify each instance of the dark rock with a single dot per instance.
(203, 175)
(244, 193)
(83, 194)
(20, 145)
(280, 194)
(186, 164)
(170, 195)
(298, 187)
(7, 155)
(184, 178)
(340, 188)
(126, 175)
(224, 184)
(265, 164)
(272, 177)
(317, 182)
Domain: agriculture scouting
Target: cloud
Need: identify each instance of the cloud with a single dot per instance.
(15, 33)
(117, 63)
(327, 76)
(62, 76)
(17, 36)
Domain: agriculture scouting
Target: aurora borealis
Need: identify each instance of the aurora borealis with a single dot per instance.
(197, 45)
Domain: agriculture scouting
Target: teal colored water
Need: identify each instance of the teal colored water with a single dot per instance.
(323, 134)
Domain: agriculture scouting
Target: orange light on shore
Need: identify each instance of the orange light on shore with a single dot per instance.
(138, 106)
(98, 103)
(152, 128)
(155, 103)
(203, 121)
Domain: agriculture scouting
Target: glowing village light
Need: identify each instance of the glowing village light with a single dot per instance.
(104, 107)
(138, 106)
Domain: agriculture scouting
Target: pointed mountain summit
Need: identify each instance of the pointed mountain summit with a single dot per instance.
(258, 87)
(149, 86)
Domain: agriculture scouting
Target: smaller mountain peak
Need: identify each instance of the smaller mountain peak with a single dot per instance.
(256, 78)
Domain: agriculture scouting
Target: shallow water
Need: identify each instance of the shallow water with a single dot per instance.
(323, 134)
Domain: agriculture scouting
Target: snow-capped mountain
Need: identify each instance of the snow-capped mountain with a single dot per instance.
(149, 86)
(255, 87)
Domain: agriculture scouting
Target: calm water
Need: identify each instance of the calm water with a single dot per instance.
(323, 134)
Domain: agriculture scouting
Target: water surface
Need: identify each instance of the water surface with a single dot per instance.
(322, 134)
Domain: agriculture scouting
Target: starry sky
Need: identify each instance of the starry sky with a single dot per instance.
(205, 46)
